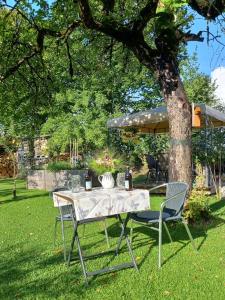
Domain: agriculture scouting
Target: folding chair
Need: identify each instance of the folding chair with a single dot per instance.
(171, 210)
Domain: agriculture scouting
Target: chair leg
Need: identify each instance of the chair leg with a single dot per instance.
(106, 233)
(63, 238)
(148, 176)
(160, 243)
(189, 233)
(167, 231)
(131, 231)
(156, 176)
(72, 242)
(83, 230)
(56, 222)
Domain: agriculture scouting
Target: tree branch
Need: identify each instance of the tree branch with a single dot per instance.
(86, 15)
(208, 9)
(41, 34)
(65, 34)
(121, 33)
(70, 59)
(115, 30)
(191, 37)
(147, 13)
(17, 65)
(31, 22)
(214, 37)
(134, 40)
(108, 6)
(12, 7)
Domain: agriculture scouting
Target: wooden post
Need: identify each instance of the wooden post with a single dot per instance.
(14, 190)
(70, 153)
(73, 151)
(77, 152)
(75, 162)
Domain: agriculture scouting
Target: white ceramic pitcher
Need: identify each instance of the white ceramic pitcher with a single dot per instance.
(106, 180)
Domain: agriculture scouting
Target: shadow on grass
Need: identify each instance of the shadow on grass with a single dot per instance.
(24, 197)
(147, 238)
(218, 205)
(30, 274)
(8, 191)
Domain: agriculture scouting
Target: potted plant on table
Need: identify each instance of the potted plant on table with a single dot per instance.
(105, 164)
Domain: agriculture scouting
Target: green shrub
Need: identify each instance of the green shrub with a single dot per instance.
(197, 208)
(58, 166)
(106, 161)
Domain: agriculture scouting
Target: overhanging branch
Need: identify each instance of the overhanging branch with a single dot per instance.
(10, 6)
(214, 37)
(208, 9)
(38, 48)
(146, 14)
(191, 37)
(70, 58)
(86, 15)
(121, 33)
(17, 65)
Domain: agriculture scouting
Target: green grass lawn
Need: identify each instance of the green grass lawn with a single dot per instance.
(32, 268)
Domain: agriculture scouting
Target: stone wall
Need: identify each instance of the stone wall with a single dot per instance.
(46, 180)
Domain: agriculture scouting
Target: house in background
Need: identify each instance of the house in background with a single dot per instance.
(40, 152)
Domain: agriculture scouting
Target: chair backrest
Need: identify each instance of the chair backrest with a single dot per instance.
(176, 194)
(163, 161)
(152, 163)
(63, 206)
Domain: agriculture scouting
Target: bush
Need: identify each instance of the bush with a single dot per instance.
(58, 166)
(197, 208)
(106, 161)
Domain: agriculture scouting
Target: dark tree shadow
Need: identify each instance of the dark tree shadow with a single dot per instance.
(217, 206)
(24, 197)
(29, 274)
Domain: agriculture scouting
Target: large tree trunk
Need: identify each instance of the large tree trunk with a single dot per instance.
(166, 69)
(180, 122)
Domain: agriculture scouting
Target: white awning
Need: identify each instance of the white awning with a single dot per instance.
(156, 120)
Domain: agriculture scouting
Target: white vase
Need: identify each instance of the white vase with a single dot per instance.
(106, 180)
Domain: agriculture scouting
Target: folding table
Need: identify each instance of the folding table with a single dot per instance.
(93, 205)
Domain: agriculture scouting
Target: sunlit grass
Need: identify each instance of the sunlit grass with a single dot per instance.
(32, 268)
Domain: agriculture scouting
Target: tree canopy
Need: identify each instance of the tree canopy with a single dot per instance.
(42, 43)
(144, 27)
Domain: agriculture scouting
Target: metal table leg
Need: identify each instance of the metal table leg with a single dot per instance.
(123, 226)
(107, 269)
(124, 234)
(72, 242)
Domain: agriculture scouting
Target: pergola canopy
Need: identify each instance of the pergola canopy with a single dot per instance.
(156, 120)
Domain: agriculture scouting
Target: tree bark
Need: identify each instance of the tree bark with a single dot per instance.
(180, 124)
(166, 69)
(180, 120)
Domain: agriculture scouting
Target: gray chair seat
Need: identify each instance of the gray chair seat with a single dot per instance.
(152, 216)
